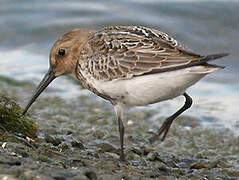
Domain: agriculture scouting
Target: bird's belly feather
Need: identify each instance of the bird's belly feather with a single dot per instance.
(148, 89)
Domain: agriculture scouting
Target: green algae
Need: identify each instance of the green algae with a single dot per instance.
(12, 120)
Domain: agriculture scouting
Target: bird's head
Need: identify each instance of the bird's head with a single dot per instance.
(63, 59)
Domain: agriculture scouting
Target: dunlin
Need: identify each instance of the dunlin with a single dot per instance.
(128, 66)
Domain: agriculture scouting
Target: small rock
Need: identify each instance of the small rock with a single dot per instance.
(231, 172)
(179, 171)
(7, 177)
(77, 144)
(79, 177)
(185, 163)
(103, 145)
(152, 156)
(63, 146)
(59, 174)
(204, 163)
(53, 140)
(137, 150)
(98, 134)
(147, 150)
(10, 161)
(107, 164)
(112, 155)
(222, 162)
(162, 167)
(205, 154)
(91, 175)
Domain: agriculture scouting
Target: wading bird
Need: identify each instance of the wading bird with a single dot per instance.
(128, 66)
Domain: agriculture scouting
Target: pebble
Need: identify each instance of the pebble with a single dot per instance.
(52, 139)
(204, 163)
(152, 156)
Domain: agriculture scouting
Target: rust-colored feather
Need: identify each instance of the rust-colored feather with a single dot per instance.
(119, 51)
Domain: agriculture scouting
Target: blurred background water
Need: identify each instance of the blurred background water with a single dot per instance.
(29, 28)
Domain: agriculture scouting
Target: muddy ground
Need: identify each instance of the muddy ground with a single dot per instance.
(78, 139)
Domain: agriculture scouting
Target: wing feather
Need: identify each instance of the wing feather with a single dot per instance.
(120, 51)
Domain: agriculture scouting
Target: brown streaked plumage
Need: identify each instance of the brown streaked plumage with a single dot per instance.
(129, 66)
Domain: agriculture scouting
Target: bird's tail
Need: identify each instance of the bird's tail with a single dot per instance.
(214, 56)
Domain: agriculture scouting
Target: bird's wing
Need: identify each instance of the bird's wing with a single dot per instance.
(123, 51)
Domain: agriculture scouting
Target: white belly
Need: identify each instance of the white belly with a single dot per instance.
(148, 89)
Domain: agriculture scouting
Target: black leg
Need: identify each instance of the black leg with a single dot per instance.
(121, 131)
(168, 122)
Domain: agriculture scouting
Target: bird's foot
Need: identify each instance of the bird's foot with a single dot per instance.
(162, 131)
(122, 157)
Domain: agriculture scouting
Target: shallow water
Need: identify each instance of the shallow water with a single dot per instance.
(28, 29)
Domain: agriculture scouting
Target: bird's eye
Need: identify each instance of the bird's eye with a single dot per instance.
(61, 52)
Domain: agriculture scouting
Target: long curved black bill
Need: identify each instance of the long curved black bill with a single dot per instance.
(48, 78)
